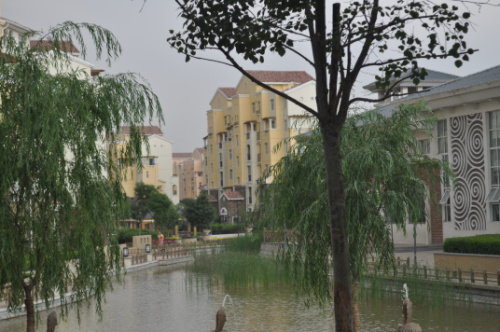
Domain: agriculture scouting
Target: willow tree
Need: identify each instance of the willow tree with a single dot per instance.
(394, 38)
(60, 193)
(385, 179)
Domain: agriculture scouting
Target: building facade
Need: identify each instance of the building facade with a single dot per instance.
(249, 130)
(467, 135)
(189, 170)
(156, 163)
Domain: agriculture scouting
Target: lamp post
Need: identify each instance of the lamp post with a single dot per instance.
(125, 252)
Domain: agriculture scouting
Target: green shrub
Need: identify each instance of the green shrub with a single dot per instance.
(226, 228)
(488, 244)
(125, 235)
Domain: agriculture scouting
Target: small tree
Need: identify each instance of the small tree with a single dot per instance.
(148, 200)
(394, 38)
(198, 212)
(57, 205)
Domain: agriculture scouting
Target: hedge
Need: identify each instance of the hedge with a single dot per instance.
(125, 235)
(488, 244)
(227, 228)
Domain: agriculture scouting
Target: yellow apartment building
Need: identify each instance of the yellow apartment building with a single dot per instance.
(245, 124)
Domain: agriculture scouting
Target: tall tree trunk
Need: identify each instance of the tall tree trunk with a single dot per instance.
(338, 227)
(30, 309)
(355, 305)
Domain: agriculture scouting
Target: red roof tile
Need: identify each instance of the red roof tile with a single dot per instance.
(211, 198)
(233, 195)
(267, 76)
(145, 130)
(47, 45)
(228, 92)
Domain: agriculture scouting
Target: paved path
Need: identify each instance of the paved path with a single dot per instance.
(425, 253)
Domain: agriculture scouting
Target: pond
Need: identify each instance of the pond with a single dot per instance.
(177, 299)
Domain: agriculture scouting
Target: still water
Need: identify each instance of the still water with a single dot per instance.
(176, 299)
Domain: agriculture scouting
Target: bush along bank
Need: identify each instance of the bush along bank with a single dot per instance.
(488, 244)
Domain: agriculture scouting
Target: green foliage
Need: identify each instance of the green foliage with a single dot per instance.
(418, 31)
(199, 212)
(487, 244)
(56, 200)
(380, 177)
(148, 200)
(126, 234)
(247, 244)
(226, 228)
(239, 270)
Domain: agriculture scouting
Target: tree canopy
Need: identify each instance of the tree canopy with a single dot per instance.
(148, 200)
(59, 190)
(198, 212)
(385, 178)
(398, 39)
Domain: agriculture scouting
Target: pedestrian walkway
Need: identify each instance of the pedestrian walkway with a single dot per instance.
(424, 253)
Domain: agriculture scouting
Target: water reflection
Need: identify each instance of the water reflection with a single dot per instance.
(175, 299)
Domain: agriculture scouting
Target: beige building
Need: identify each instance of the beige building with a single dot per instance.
(245, 125)
(156, 163)
(189, 170)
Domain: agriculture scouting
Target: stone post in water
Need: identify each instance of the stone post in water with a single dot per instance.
(51, 322)
(408, 326)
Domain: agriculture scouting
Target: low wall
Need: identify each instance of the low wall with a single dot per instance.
(221, 236)
(466, 262)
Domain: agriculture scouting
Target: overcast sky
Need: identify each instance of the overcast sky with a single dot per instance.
(185, 89)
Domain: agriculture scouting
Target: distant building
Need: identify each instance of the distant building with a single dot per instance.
(190, 172)
(156, 165)
(245, 126)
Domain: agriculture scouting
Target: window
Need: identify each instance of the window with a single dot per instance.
(174, 190)
(272, 104)
(493, 197)
(230, 154)
(253, 107)
(237, 141)
(249, 157)
(267, 147)
(446, 206)
(249, 172)
(442, 140)
(220, 159)
(442, 137)
(412, 89)
(221, 179)
(273, 124)
(425, 146)
(237, 161)
(211, 149)
(238, 180)
(231, 173)
(249, 195)
(211, 167)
